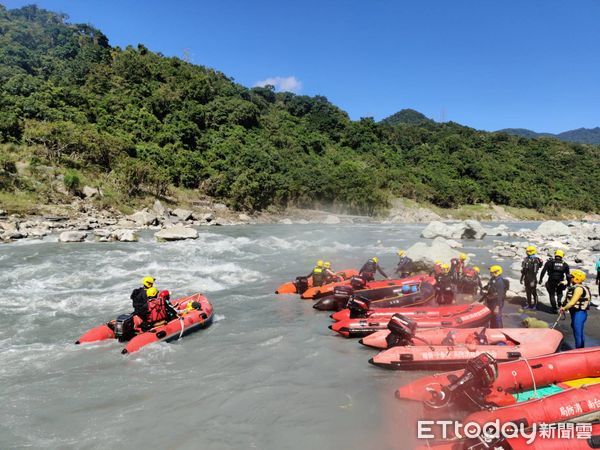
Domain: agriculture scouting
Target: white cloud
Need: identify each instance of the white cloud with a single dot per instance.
(291, 84)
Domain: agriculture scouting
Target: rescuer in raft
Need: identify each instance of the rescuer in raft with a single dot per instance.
(444, 295)
(529, 271)
(330, 275)
(471, 282)
(437, 268)
(457, 268)
(368, 270)
(495, 291)
(139, 298)
(405, 265)
(558, 271)
(318, 273)
(577, 302)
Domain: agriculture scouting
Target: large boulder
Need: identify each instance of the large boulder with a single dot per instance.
(144, 218)
(553, 228)
(182, 214)
(435, 229)
(72, 236)
(90, 192)
(331, 220)
(159, 209)
(125, 236)
(176, 233)
(438, 250)
(469, 229)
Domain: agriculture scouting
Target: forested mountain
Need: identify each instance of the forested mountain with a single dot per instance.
(580, 135)
(406, 116)
(142, 122)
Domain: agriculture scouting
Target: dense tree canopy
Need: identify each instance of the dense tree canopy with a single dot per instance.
(149, 120)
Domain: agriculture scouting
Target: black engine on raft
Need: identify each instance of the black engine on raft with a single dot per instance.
(471, 387)
(402, 331)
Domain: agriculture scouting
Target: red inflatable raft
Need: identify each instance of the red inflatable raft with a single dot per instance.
(291, 287)
(328, 289)
(453, 316)
(502, 345)
(188, 321)
(513, 379)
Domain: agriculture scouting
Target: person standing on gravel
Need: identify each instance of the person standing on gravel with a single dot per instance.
(529, 271)
(557, 271)
(577, 302)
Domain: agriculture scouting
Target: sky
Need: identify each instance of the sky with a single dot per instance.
(483, 63)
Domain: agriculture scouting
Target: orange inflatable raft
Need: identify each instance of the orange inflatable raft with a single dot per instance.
(188, 321)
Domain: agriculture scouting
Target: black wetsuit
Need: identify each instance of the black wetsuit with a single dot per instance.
(494, 300)
(404, 268)
(529, 270)
(444, 295)
(557, 271)
(368, 270)
(139, 300)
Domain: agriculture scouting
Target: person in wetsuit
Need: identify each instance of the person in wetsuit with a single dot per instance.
(444, 295)
(495, 292)
(370, 268)
(318, 274)
(139, 298)
(457, 267)
(577, 302)
(557, 271)
(529, 271)
(405, 265)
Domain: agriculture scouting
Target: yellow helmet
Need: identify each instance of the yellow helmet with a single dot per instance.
(578, 276)
(445, 268)
(476, 269)
(327, 264)
(375, 259)
(401, 253)
(148, 282)
(151, 292)
(559, 253)
(320, 263)
(496, 270)
(531, 250)
(463, 257)
(437, 262)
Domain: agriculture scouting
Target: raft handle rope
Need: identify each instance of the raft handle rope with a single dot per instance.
(535, 393)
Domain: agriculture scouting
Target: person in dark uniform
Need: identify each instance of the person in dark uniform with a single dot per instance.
(405, 265)
(557, 271)
(457, 268)
(495, 291)
(529, 270)
(577, 302)
(370, 268)
(444, 295)
(471, 283)
(318, 274)
(139, 298)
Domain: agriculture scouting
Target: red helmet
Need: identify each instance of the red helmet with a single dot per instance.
(164, 295)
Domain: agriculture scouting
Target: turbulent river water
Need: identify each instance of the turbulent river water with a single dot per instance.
(267, 374)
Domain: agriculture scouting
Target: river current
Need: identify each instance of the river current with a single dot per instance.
(268, 374)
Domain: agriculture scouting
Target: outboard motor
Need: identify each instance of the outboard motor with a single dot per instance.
(358, 283)
(301, 284)
(358, 307)
(474, 384)
(341, 295)
(402, 331)
(124, 327)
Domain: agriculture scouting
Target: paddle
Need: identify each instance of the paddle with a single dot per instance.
(561, 315)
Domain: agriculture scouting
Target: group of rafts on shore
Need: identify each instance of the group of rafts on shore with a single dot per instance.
(509, 376)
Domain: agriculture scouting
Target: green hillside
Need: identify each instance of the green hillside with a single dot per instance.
(580, 135)
(138, 123)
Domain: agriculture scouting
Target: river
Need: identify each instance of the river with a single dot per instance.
(268, 374)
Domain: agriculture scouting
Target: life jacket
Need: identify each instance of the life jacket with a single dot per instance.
(583, 304)
(557, 269)
(318, 276)
(404, 263)
(157, 309)
(457, 266)
(469, 272)
(531, 265)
